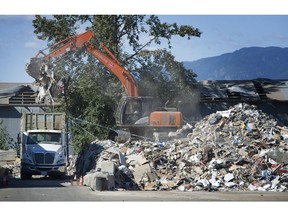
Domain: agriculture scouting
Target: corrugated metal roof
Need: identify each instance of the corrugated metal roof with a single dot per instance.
(251, 90)
(211, 90)
(17, 94)
(4, 85)
(21, 94)
(278, 91)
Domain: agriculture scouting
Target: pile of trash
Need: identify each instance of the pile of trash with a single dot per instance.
(238, 149)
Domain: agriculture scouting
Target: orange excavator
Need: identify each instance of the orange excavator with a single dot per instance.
(135, 114)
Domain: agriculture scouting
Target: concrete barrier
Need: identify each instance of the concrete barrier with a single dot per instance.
(7, 156)
(99, 181)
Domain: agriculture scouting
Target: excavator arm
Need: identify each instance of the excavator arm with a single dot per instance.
(37, 64)
(136, 114)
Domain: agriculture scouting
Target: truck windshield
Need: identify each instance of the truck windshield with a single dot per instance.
(47, 138)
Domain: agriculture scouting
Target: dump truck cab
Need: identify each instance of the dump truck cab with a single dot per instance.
(43, 151)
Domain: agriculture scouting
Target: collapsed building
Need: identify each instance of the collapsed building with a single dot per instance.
(238, 142)
(271, 96)
(241, 149)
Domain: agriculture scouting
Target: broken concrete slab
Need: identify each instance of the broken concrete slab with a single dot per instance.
(106, 167)
(140, 172)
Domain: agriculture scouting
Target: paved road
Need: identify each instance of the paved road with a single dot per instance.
(44, 189)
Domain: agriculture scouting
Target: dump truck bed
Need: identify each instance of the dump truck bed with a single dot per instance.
(43, 121)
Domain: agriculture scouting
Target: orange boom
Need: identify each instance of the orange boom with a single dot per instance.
(135, 114)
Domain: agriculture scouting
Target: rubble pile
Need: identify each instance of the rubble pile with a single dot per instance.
(238, 149)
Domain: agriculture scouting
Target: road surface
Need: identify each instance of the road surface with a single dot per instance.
(44, 196)
(45, 189)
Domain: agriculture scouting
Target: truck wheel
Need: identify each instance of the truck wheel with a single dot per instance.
(62, 176)
(25, 176)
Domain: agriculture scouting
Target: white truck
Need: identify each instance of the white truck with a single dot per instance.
(43, 145)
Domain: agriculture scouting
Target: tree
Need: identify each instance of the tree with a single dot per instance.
(4, 137)
(91, 88)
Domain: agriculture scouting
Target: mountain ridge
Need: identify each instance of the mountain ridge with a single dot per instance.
(244, 64)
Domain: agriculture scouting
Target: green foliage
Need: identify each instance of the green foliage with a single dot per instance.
(4, 137)
(56, 29)
(162, 77)
(88, 102)
(165, 30)
(93, 92)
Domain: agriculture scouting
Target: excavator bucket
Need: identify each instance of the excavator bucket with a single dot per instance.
(35, 68)
(44, 77)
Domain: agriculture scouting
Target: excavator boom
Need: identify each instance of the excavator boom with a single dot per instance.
(136, 114)
(37, 64)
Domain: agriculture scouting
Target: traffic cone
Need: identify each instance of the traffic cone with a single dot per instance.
(81, 181)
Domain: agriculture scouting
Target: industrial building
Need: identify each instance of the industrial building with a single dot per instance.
(270, 96)
(15, 99)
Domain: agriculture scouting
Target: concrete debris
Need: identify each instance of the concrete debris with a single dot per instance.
(180, 133)
(228, 177)
(7, 156)
(238, 149)
(8, 162)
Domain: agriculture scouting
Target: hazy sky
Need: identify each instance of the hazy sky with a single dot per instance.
(220, 34)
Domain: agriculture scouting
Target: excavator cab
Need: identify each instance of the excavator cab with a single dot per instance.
(134, 111)
(144, 115)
